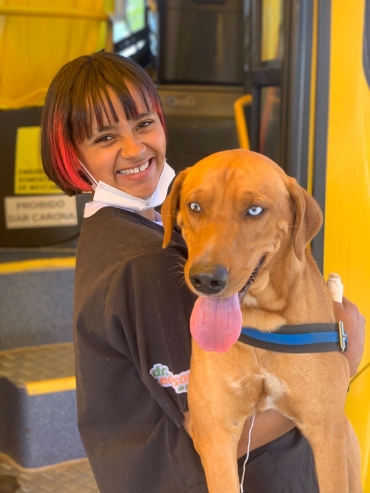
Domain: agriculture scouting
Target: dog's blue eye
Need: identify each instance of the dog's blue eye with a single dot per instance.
(194, 207)
(255, 211)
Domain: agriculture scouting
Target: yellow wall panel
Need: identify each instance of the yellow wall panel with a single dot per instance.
(347, 208)
(33, 47)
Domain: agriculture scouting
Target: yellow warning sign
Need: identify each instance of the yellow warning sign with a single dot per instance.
(29, 176)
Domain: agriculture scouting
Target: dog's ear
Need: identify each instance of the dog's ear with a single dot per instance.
(308, 217)
(170, 207)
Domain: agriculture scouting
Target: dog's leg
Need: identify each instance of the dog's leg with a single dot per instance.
(218, 455)
(217, 446)
(354, 461)
(315, 399)
(218, 408)
(337, 456)
(329, 445)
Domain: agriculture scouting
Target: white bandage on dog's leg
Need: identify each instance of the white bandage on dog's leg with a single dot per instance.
(335, 287)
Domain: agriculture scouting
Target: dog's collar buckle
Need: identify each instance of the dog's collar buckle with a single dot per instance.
(343, 338)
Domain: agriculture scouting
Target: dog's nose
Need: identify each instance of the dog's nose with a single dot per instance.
(208, 280)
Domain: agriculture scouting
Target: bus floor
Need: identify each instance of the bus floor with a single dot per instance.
(72, 476)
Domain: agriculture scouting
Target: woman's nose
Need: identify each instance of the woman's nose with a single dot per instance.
(132, 147)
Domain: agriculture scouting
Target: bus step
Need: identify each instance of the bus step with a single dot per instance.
(72, 476)
(38, 412)
(36, 302)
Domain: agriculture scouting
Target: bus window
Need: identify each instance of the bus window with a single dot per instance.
(269, 130)
(130, 20)
(271, 30)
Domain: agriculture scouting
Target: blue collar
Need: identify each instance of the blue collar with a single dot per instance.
(304, 338)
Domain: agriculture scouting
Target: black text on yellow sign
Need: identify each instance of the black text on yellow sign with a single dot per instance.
(29, 176)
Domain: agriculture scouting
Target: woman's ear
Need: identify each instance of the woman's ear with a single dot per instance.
(170, 207)
(308, 217)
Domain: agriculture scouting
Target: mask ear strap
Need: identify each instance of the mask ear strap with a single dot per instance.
(94, 183)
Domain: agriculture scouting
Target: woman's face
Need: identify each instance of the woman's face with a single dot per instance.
(128, 155)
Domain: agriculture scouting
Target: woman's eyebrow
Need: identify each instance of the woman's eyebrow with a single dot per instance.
(106, 128)
(98, 131)
(103, 129)
(142, 115)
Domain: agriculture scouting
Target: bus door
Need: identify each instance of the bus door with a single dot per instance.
(308, 72)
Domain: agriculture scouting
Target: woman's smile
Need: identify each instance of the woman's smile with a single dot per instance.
(136, 170)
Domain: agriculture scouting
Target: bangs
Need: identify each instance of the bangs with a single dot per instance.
(91, 101)
(97, 108)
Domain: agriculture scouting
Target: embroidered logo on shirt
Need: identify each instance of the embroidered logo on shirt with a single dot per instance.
(167, 379)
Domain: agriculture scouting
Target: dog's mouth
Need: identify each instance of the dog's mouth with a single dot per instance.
(251, 279)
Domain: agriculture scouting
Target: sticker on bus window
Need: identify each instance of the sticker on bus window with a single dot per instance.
(43, 211)
(29, 176)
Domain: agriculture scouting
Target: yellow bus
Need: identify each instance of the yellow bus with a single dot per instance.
(287, 78)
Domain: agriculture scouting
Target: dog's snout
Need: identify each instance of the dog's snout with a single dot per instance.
(208, 280)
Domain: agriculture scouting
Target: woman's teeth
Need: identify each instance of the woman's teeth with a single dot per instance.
(132, 171)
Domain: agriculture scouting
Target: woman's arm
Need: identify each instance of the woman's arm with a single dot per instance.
(267, 427)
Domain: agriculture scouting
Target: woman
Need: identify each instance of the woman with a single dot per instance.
(103, 129)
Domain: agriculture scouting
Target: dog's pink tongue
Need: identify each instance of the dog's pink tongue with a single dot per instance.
(216, 323)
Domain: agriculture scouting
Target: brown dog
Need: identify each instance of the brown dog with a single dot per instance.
(246, 225)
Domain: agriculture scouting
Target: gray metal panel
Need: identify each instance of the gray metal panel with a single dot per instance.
(199, 121)
(209, 101)
(321, 123)
(298, 95)
(366, 48)
(200, 42)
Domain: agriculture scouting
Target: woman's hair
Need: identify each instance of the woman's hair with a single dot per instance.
(77, 94)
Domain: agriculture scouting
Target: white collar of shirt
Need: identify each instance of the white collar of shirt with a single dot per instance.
(94, 206)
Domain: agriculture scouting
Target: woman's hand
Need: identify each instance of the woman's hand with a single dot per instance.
(354, 326)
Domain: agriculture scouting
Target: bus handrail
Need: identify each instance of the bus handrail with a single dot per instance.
(240, 121)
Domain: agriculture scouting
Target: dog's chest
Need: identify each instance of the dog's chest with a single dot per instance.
(258, 384)
(274, 390)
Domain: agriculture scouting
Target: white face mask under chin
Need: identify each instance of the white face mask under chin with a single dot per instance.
(112, 196)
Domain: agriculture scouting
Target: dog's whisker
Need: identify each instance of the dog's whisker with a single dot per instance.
(176, 274)
(178, 256)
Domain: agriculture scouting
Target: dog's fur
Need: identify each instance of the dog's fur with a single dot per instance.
(311, 388)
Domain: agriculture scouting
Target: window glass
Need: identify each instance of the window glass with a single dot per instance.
(269, 131)
(130, 20)
(271, 30)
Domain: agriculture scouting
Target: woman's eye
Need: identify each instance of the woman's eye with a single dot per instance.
(104, 138)
(255, 211)
(194, 207)
(144, 124)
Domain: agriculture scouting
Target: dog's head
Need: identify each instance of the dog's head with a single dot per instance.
(238, 212)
